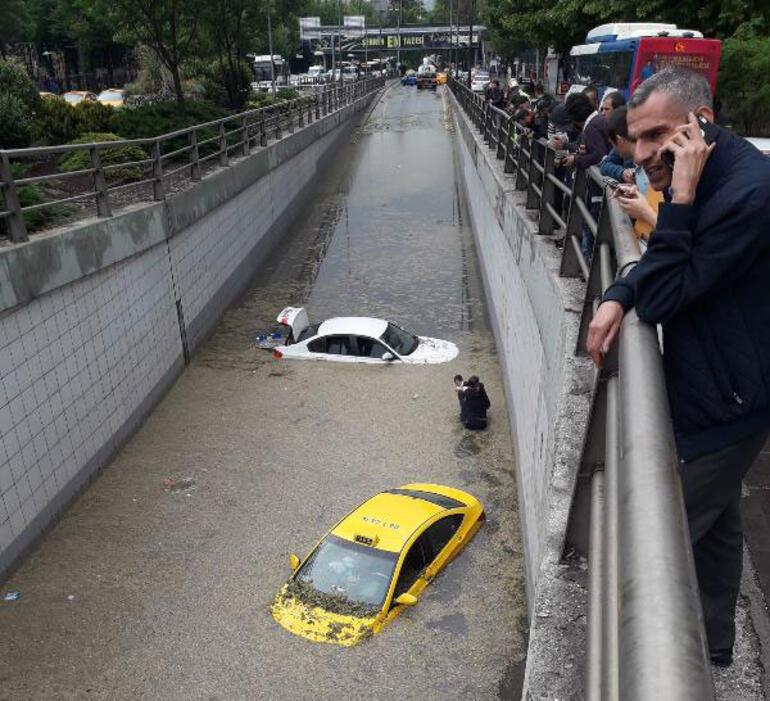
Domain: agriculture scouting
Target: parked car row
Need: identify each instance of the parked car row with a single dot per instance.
(114, 97)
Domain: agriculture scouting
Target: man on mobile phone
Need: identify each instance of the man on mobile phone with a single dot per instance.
(705, 278)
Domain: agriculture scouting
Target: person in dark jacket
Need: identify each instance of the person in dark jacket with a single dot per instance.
(704, 278)
(474, 403)
(593, 145)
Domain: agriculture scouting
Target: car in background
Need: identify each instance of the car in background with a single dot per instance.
(356, 339)
(74, 97)
(762, 144)
(479, 81)
(442, 78)
(47, 95)
(315, 73)
(376, 562)
(113, 97)
(409, 78)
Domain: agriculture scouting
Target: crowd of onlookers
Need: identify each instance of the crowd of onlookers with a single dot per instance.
(585, 131)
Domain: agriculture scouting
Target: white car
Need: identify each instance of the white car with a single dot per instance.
(357, 339)
(479, 81)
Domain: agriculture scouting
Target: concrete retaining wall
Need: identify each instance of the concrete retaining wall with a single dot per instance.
(96, 320)
(535, 316)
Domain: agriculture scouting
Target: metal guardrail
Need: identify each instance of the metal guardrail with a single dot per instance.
(645, 626)
(220, 140)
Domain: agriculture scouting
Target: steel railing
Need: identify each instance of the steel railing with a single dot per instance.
(645, 626)
(179, 154)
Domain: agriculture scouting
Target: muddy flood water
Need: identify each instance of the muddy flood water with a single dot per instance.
(152, 591)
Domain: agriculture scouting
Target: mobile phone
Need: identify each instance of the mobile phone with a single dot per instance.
(611, 183)
(708, 131)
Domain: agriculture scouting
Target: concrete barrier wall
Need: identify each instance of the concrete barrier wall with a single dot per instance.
(96, 319)
(535, 317)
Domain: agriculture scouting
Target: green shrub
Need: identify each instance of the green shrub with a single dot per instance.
(14, 80)
(31, 195)
(14, 122)
(148, 121)
(81, 159)
(56, 123)
(162, 118)
(287, 94)
(60, 123)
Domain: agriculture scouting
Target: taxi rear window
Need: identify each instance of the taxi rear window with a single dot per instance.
(437, 499)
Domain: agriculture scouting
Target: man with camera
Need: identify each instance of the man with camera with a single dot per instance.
(705, 278)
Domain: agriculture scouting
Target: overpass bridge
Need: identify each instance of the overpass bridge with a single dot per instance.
(159, 468)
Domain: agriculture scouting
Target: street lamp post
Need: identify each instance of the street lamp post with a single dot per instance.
(339, 27)
(470, 46)
(270, 49)
(398, 48)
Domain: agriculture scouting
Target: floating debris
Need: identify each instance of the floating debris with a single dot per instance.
(12, 596)
(185, 484)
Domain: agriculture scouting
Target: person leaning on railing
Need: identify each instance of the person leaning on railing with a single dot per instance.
(637, 199)
(705, 278)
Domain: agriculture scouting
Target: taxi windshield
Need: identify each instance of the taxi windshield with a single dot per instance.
(399, 340)
(73, 97)
(353, 573)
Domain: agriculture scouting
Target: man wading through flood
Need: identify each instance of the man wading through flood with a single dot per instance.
(705, 277)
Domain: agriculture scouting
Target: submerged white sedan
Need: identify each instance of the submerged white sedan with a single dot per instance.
(357, 339)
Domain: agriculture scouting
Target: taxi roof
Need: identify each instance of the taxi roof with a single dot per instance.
(353, 325)
(390, 517)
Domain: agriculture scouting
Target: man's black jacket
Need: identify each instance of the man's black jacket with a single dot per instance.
(706, 279)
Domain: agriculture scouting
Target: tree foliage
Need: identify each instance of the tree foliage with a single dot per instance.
(743, 81)
(563, 23)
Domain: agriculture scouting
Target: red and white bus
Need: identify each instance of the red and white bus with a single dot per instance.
(620, 56)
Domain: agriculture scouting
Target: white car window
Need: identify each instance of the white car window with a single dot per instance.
(334, 345)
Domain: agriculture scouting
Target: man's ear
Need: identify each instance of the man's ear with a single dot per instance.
(706, 112)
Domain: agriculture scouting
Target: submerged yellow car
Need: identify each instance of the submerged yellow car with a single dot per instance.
(375, 561)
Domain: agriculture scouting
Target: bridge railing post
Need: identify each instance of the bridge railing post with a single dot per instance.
(195, 164)
(100, 183)
(17, 229)
(522, 168)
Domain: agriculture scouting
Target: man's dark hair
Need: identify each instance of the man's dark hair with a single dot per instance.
(617, 124)
(592, 93)
(579, 107)
(521, 113)
(458, 377)
(690, 88)
(473, 381)
(617, 99)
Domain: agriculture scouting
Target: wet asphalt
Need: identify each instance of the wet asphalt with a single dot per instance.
(147, 592)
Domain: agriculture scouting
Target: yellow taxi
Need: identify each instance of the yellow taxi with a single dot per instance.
(73, 97)
(441, 78)
(114, 97)
(375, 562)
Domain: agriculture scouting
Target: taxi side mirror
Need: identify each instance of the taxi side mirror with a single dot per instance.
(407, 600)
(388, 356)
(294, 561)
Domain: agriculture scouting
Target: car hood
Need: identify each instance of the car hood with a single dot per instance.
(318, 624)
(432, 350)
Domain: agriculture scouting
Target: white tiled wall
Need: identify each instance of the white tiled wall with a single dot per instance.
(206, 254)
(78, 361)
(75, 364)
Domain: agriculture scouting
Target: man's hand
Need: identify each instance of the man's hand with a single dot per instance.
(603, 330)
(690, 155)
(629, 176)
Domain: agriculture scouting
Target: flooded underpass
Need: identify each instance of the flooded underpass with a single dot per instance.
(156, 583)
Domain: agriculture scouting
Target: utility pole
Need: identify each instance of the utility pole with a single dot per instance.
(398, 48)
(470, 47)
(339, 27)
(450, 33)
(270, 49)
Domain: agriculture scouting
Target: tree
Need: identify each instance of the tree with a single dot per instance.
(743, 82)
(15, 24)
(169, 27)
